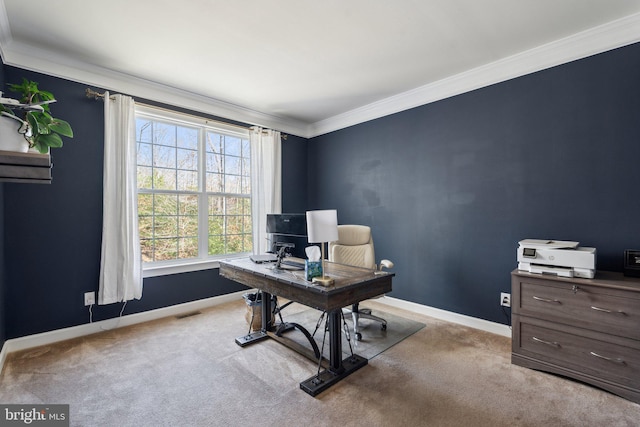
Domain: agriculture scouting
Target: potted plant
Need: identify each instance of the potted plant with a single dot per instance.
(30, 118)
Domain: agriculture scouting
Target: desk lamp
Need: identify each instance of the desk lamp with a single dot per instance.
(322, 227)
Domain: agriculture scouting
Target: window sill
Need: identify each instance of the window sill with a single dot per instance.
(184, 267)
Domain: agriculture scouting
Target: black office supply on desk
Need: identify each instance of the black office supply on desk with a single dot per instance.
(632, 263)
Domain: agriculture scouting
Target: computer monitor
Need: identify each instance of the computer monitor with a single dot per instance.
(287, 224)
(288, 228)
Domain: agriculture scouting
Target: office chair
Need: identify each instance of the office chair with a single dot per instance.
(355, 247)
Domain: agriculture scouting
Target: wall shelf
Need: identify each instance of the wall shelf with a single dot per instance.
(30, 168)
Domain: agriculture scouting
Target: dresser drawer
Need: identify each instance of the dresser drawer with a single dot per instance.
(581, 305)
(594, 354)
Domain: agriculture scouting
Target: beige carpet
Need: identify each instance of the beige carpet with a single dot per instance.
(189, 372)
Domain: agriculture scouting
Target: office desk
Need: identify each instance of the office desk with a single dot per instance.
(352, 285)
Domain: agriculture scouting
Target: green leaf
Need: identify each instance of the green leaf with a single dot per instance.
(33, 123)
(26, 88)
(40, 147)
(61, 127)
(45, 129)
(52, 140)
(39, 123)
(46, 95)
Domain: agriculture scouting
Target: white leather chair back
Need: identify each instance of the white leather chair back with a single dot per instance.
(353, 247)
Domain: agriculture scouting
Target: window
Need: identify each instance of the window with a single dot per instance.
(194, 189)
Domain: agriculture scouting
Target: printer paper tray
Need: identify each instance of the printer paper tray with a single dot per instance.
(557, 271)
(547, 269)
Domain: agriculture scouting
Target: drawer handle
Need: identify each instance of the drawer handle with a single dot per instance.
(609, 359)
(551, 343)
(554, 301)
(608, 311)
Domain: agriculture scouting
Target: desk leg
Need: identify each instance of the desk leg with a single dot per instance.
(335, 342)
(338, 368)
(266, 311)
(266, 324)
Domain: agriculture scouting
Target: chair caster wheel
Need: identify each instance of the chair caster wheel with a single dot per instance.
(358, 336)
(383, 327)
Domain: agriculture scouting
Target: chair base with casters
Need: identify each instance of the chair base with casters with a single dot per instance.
(358, 313)
(355, 247)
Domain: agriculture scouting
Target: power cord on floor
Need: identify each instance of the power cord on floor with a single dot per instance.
(507, 315)
(117, 322)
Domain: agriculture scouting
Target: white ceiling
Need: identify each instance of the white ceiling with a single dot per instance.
(306, 67)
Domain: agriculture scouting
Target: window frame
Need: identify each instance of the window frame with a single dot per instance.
(202, 262)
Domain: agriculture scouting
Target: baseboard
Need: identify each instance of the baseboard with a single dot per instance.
(51, 337)
(461, 319)
(3, 356)
(36, 340)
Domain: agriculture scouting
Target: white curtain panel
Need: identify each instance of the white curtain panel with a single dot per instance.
(266, 182)
(121, 262)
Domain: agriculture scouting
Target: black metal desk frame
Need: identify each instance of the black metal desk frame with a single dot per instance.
(352, 284)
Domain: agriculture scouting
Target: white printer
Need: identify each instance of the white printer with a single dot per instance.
(558, 257)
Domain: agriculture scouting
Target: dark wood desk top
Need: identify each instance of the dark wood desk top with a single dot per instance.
(352, 284)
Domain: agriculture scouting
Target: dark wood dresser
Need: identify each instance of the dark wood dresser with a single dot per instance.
(586, 329)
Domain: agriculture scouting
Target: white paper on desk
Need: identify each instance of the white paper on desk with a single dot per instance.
(313, 253)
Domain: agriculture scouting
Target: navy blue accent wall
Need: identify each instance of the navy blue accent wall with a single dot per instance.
(294, 187)
(294, 174)
(3, 310)
(2, 279)
(53, 232)
(449, 188)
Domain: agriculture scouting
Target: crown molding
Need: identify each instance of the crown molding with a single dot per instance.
(615, 34)
(38, 60)
(5, 31)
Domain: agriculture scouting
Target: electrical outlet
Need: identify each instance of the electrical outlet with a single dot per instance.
(89, 298)
(505, 299)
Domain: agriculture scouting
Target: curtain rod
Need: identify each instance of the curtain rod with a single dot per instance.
(96, 95)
